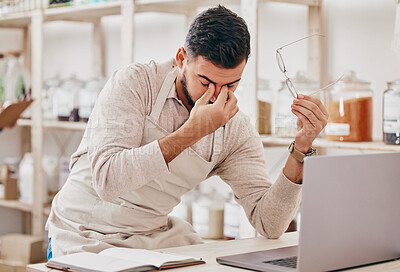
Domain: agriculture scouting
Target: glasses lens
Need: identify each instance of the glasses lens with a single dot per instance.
(281, 64)
(291, 88)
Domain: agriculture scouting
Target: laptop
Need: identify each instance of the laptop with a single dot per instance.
(350, 216)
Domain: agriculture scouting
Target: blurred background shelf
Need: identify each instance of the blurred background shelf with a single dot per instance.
(15, 204)
(61, 125)
(270, 141)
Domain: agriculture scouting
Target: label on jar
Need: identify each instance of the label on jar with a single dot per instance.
(201, 219)
(391, 126)
(341, 129)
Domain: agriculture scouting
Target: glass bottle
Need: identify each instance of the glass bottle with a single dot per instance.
(13, 79)
(285, 120)
(391, 113)
(265, 99)
(3, 67)
(350, 110)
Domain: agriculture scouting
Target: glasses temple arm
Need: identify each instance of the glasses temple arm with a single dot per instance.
(316, 34)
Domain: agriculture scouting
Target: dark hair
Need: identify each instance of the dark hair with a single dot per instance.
(220, 36)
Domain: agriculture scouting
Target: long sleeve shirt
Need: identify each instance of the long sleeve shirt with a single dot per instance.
(120, 164)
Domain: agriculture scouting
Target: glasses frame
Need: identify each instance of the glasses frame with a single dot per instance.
(281, 64)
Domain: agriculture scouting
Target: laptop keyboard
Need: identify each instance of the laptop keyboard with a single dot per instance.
(286, 262)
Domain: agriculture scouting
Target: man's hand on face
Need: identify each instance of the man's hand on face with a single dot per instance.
(206, 117)
(312, 118)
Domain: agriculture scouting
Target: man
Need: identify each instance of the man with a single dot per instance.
(157, 131)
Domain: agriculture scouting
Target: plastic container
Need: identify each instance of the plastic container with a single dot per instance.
(13, 164)
(50, 167)
(391, 113)
(25, 179)
(265, 99)
(350, 110)
(285, 120)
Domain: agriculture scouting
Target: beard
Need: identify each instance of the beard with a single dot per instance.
(185, 91)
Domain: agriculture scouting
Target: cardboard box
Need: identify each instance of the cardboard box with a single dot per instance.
(22, 248)
(9, 266)
(10, 184)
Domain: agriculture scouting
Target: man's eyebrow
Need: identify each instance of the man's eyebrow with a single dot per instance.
(206, 78)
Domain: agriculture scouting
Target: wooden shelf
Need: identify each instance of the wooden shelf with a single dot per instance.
(270, 141)
(61, 125)
(83, 13)
(17, 20)
(16, 204)
(91, 12)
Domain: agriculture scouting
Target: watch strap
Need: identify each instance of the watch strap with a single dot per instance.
(299, 156)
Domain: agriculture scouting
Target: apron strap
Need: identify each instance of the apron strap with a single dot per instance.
(218, 143)
(166, 87)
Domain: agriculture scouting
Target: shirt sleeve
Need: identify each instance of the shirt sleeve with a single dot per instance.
(269, 208)
(114, 134)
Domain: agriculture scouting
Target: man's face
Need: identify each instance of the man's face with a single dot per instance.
(198, 73)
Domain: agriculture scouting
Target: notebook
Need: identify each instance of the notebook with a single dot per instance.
(349, 217)
(9, 113)
(120, 260)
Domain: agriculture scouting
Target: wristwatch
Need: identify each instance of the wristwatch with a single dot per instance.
(300, 155)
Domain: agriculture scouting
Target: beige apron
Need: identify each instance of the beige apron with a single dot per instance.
(81, 221)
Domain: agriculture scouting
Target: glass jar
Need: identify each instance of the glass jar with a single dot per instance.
(285, 120)
(88, 96)
(231, 219)
(66, 100)
(350, 110)
(391, 113)
(264, 100)
(208, 216)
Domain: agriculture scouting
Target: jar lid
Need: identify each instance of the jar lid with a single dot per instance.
(395, 82)
(350, 78)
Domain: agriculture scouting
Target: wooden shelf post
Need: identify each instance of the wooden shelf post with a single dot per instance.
(37, 121)
(249, 12)
(127, 31)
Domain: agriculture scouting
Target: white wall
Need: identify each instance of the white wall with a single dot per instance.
(358, 34)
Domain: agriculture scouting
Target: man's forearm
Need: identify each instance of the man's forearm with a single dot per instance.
(293, 170)
(173, 144)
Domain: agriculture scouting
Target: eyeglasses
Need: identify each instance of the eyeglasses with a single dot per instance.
(282, 67)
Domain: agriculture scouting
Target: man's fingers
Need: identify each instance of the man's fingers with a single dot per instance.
(222, 97)
(206, 97)
(316, 101)
(233, 113)
(231, 103)
(310, 106)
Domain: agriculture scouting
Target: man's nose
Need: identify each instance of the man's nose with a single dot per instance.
(217, 91)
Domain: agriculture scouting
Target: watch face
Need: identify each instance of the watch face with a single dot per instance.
(311, 152)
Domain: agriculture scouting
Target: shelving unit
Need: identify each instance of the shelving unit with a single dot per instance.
(32, 23)
(271, 141)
